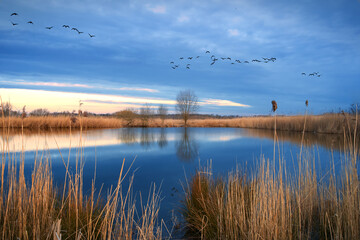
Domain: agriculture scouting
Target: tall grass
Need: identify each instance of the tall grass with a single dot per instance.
(327, 123)
(33, 208)
(272, 204)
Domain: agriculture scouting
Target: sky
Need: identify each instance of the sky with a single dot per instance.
(128, 61)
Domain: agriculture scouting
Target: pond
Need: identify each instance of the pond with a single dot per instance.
(167, 157)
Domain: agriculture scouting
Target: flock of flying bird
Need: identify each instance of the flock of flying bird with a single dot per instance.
(49, 28)
(214, 59)
(311, 74)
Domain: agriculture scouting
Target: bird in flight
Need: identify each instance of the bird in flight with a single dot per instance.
(190, 58)
(49, 27)
(197, 56)
(75, 29)
(14, 14)
(30, 22)
(171, 62)
(212, 63)
(91, 35)
(14, 24)
(246, 62)
(66, 26)
(303, 73)
(181, 58)
(80, 32)
(207, 52)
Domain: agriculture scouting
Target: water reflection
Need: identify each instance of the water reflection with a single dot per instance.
(329, 141)
(127, 135)
(186, 147)
(146, 138)
(162, 139)
(184, 140)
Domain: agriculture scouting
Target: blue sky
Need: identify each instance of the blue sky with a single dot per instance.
(127, 63)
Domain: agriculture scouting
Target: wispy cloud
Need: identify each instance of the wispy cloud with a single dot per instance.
(183, 18)
(48, 84)
(233, 32)
(136, 89)
(76, 85)
(160, 9)
(223, 103)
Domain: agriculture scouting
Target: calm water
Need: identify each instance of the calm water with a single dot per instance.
(166, 156)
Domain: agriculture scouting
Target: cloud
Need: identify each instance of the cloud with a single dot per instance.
(223, 103)
(233, 32)
(136, 89)
(47, 84)
(160, 9)
(75, 85)
(183, 18)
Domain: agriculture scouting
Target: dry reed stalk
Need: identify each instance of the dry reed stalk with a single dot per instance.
(32, 208)
(274, 205)
(327, 123)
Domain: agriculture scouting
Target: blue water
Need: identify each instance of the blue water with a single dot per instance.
(166, 157)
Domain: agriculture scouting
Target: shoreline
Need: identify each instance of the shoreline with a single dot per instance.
(324, 124)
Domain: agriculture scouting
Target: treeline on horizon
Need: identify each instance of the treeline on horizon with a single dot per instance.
(6, 109)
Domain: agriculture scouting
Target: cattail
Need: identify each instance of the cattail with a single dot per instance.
(306, 103)
(274, 105)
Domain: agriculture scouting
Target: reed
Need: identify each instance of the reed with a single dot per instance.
(33, 208)
(327, 123)
(272, 204)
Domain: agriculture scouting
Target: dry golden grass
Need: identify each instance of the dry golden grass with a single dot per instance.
(271, 204)
(328, 123)
(33, 208)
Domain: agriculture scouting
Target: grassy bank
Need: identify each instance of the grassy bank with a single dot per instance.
(273, 204)
(328, 123)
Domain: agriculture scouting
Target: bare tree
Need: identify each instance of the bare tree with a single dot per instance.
(145, 114)
(162, 111)
(40, 112)
(187, 104)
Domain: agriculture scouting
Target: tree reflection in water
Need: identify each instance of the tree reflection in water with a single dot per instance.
(127, 135)
(186, 147)
(162, 140)
(146, 137)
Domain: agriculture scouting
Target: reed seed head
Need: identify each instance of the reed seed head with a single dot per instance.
(306, 103)
(274, 105)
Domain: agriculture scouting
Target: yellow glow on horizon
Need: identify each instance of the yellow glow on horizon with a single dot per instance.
(56, 101)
